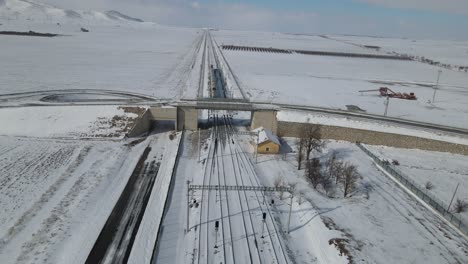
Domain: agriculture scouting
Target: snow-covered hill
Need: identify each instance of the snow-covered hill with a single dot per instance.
(43, 13)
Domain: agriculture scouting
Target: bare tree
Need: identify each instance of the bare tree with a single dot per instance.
(300, 143)
(293, 187)
(313, 173)
(460, 206)
(333, 167)
(279, 182)
(327, 185)
(429, 185)
(313, 139)
(349, 177)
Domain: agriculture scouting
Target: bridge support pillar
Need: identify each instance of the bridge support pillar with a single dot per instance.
(187, 119)
(266, 119)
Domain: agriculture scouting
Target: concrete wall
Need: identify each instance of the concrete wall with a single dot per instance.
(266, 119)
(290, 129)
(164, 113)
(142, 125)
(187, 119)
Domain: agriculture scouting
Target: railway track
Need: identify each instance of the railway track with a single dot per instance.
(251, 179)
(239, 212)
(201, 83)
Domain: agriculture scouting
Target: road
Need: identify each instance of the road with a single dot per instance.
(115, 241)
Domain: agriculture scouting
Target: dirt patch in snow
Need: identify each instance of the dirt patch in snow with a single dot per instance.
(119, 124)
(133, 109)
(343, 244)
(340, 244)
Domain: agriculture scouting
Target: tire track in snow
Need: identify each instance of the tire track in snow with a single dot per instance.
(28, 215)
(58, 221)
(412, 207)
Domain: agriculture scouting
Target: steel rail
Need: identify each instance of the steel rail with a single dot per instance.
(247, 160)
(238, 176)
(221, 204)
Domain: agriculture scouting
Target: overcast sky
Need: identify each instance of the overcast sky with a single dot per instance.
(436, 19)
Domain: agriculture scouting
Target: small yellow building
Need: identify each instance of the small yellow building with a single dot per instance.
(267, 142)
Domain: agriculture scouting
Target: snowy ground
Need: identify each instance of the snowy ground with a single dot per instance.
(145, 241)
(443, 170)
(385, 226)
(141, 58)
(299, 79)
(57, 194)
(285, 41)
(444, 51)
(225, 162)
(351, 122)
(68, 121)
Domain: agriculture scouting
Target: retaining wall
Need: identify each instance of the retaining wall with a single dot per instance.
(142, 125)
(292, 129)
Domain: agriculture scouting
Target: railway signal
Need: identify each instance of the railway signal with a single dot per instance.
(216, 230)
(263, 226)
(290, 210)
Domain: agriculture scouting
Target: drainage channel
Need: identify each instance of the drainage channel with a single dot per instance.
(116, 239)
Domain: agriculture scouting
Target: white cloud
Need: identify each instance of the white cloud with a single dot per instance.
(195, 5)
(220, 14)
(449, 6)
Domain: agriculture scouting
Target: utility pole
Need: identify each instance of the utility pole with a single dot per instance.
(188, 202)
(386, 103)
(290, 210)
(437, 86)
(256, 147)
(453, 197)
(199, 145)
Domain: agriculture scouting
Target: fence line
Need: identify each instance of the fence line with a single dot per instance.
(419, 191)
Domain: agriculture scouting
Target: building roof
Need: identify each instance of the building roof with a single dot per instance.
(265, 135)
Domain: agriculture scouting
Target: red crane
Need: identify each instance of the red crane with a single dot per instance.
(387, 92)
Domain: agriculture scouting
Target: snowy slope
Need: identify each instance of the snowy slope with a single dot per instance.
(66, 122)
(385, 226)
(39, 12)
(56, 195)
(145, 240)
(443, 170)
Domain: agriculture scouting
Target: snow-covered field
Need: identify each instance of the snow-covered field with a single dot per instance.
(334, 82)
(444, 51)
(379, 222)
(443, 170)
(68, 121)
(285, 41)
(132, 57)
(57, 194)
(340, 121)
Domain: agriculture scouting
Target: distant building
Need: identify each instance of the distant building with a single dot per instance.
(268, 143)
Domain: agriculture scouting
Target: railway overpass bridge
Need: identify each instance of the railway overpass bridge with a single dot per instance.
(186, 114)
